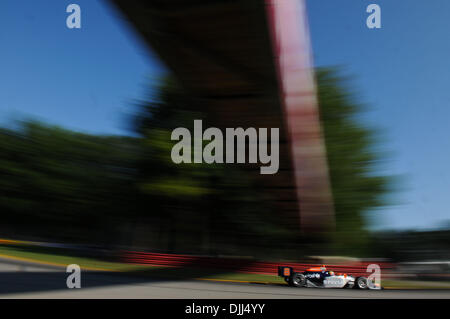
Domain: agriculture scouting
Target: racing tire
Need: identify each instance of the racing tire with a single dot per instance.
(297, 280)
(361, 283)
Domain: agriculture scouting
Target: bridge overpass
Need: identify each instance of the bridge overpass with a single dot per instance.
(248, 63)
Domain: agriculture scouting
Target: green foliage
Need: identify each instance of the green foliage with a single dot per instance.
(60, 184)
(216, 203)
(352, 161)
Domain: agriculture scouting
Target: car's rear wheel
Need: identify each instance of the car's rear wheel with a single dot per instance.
(361, 283)
(297, 280)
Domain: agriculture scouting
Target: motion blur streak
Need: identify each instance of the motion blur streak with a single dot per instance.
(288, 23)
(120, 202)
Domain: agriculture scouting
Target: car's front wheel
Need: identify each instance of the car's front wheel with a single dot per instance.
(361, 283)
(297, 280)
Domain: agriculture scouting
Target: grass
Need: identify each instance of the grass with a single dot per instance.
(60, 257)
(413, 284)
(27, 252)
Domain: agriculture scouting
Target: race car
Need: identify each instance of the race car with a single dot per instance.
(321, 277)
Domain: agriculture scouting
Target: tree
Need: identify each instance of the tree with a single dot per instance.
(352, 159)
(217, 202)
(64, 185)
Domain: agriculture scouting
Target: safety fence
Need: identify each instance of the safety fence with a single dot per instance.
(240, 265)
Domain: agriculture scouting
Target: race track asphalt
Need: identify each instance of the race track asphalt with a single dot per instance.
(25, 280)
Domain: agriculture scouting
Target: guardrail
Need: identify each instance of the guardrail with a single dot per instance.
(239, 265)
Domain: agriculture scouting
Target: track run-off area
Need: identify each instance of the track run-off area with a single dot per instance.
(28, 280)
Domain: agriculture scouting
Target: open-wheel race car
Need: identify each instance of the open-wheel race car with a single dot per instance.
(321, 277)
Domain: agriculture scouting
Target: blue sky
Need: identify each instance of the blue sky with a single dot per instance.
(86, 79)
(402, 72)
(83, 79)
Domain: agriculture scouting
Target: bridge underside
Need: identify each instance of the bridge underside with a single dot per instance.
(228, 54)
